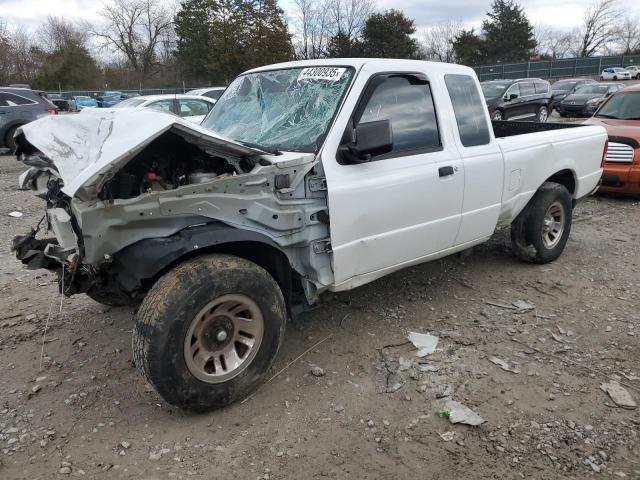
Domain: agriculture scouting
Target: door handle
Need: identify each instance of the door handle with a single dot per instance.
(445, 171)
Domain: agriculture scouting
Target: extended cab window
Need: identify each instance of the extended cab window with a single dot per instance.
(406, 102)
(469, 109)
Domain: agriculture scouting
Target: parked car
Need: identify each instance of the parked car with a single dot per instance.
(212, 92)
(307, 177)
(616, 73)
(83, 101)
(190, 107)
(620, 116)
(109, 98)
(634, 70)
(19, 106)
(566, 86)
(63, 104)
(586, 99)
(522, 99)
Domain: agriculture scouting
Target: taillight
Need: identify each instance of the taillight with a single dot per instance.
(52, 111)
(604, 153)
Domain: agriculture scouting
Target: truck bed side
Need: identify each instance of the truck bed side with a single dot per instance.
(573, 153)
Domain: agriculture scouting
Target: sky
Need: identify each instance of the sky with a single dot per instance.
(563, 14)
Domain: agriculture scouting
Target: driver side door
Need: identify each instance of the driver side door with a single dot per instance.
(398, 208)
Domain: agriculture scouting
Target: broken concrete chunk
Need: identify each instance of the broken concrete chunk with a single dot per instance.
(15, 214)
(458, 413)
(447, 436)
(523, 306)
(405, 364)
(619, 395)
(503, 365)
(424, 342)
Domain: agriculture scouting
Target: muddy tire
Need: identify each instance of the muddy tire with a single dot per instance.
(111, 298)
(540, 233)
(208, 331)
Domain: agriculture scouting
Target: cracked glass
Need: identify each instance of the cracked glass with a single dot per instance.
(289, 109)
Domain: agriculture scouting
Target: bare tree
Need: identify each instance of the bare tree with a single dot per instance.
(437, 41)
(135, 29)
(312, 29)
(555, 43)
(56, 33)
(349, 16)
(629, 35)
(599, 27)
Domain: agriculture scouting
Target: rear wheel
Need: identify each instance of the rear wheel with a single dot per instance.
(209, 330)
(540, 233)
(543, 114)
(615, 77)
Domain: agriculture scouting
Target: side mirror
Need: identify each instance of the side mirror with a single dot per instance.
(371, 139)
(512, 96)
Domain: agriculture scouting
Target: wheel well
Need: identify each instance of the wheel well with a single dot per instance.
(268, 257)
(565, 178)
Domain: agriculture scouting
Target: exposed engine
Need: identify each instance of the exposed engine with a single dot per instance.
(167, 163)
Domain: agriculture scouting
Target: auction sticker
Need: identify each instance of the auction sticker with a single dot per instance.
(331, 74)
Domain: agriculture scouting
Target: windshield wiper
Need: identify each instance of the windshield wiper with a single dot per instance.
(602, 115)
(272, 151)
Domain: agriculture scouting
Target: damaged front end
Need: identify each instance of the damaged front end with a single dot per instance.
(130, 193)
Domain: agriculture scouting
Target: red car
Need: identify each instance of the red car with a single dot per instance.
(620, 115)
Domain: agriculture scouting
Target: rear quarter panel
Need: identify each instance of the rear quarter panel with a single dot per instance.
(531, 158)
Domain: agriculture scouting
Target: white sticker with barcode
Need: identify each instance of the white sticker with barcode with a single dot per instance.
(331, 74)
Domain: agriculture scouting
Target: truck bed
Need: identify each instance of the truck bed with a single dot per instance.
(506, 128)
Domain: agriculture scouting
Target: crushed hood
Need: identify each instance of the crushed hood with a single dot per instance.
(90, 147)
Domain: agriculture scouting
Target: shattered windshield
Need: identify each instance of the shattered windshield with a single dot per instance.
(288, 109)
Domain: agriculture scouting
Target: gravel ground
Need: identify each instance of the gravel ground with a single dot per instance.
(75, 405)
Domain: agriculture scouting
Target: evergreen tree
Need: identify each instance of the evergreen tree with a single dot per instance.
(67, 67)
(469, 48)
(218, 39)
(341, 46)
(388, 35)
(508, 35)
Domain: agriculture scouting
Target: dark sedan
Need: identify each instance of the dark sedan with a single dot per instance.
(567, 86)
(586, 99)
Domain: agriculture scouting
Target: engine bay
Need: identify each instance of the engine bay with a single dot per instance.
(167, 163)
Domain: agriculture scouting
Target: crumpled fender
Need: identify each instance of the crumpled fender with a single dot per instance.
(147, 258)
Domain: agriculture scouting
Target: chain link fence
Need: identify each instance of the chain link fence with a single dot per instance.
(145, 91)
(554, 69)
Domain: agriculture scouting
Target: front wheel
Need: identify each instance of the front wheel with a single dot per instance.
(209, 330)
(540, 233)
(497, 115)
(543, 115)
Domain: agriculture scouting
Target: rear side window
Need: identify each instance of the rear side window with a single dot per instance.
(526, 88)
(12, 100)
(408, 105)
(163, 105)
(215, 94)
(541, 87)
(469, 109)
(193, 108)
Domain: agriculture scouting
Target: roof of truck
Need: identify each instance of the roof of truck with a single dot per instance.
(392, 64)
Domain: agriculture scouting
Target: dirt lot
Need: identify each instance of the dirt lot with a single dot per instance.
(87, 412)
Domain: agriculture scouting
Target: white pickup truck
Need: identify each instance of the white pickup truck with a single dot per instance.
(305, 177)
